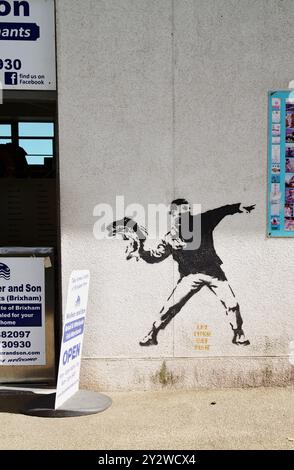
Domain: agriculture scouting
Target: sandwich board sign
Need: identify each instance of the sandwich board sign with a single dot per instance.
(72, 337)
(27, 44)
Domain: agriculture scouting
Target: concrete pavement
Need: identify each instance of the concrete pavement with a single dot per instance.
(261, 418)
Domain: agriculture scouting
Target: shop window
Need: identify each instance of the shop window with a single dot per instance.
(5, 134)
(37, 139)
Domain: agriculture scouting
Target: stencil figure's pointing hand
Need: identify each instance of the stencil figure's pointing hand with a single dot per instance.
(248, 209)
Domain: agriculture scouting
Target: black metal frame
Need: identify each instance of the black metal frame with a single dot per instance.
(34, 98)
(37, 98)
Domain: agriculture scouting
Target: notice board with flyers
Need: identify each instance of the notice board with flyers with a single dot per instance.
(281, 164)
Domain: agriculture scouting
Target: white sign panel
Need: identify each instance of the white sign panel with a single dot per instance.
(72, 337)
(22, 312)
(27, 45)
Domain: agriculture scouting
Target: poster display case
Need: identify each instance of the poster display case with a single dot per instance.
(281, 164)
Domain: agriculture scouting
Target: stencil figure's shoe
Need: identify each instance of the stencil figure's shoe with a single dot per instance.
(150, 339)
(239, 338)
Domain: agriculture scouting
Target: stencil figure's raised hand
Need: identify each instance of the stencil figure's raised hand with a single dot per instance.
(131, 231)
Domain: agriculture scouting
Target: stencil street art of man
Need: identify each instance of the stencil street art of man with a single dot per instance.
(199, 265)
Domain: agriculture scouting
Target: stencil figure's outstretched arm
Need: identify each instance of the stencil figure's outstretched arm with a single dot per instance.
(216, 215)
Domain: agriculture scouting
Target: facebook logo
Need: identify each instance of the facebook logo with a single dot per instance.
(10, 78)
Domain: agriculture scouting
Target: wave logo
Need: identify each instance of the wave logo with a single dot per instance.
(4, 271)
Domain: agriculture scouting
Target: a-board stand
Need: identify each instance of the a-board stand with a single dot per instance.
(68, 401)
(83, 403)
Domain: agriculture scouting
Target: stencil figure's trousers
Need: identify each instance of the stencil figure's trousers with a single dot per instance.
(188, 286)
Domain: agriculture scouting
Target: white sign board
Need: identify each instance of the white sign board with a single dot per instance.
(72, 337)
(22, 312)
(27, 45)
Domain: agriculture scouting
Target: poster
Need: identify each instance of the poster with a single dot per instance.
(27, 45)
(22, 312)
(72, 337)
(281, 164)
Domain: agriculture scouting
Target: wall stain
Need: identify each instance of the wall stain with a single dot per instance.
(164, 376)
(267, 376)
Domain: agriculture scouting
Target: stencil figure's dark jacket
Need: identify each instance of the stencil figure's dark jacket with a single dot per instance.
(203, 259)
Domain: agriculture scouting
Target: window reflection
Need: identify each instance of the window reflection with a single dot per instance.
(13, 163)
(27, 150)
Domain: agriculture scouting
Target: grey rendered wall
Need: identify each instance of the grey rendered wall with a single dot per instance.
(161, 99)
